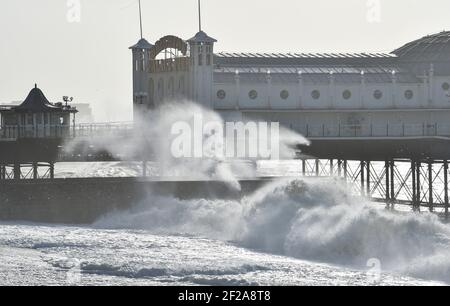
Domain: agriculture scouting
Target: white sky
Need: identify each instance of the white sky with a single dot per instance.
(90, 60)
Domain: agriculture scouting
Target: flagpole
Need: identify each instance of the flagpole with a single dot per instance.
(140, 18)
(199, 15)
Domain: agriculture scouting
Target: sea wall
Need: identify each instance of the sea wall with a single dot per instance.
(82, 201)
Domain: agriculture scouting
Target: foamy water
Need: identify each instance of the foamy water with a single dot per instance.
(291, 232)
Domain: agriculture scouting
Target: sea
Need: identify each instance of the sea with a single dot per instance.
(294, 231)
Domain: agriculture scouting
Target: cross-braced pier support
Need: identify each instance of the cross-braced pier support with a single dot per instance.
(422, 184)
(27, 171)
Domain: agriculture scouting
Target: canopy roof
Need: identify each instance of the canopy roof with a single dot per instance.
(36, 102)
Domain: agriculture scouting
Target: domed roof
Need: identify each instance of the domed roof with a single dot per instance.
(36, 102)
(434, 47)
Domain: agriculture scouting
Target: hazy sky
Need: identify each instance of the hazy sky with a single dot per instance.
(90, 59)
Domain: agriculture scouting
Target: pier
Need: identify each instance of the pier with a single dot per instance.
(396, 169)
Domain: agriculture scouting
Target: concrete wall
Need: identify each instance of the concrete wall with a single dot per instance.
(83, 201)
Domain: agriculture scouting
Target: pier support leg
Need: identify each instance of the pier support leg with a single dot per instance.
(345, 170)
(414, 194)
(304, 167)
(392, 173)
(331, 167)
(317, 168)
(35, 171)
(368, 187)
(362, 166)
(17, 172)
(446, 189)
(419, 196)
(52, 170)
(2, 172)
(388, 197)
(430, 186)
(340, 168)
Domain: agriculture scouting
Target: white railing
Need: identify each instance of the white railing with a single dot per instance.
(374, 130)
(125, 129)
(11, 132)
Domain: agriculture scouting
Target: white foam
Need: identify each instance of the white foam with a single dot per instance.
(316, 220)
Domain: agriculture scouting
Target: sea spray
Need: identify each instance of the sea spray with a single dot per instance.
(313, 219)
(152, 140)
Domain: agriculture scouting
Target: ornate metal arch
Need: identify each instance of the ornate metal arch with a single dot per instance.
(167, 42)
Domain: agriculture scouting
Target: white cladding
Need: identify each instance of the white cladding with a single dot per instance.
(378, 94)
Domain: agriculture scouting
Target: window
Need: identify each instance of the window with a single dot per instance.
(208, 60)
(221, 94)
(378, 94)
(446, 86)
(315, 94)
(161, 89)
(200, 60)
(181, 85)
(253, 94)
(284, 94)
(347, 94)
(171, 87)
(409, 94)
(151, 91)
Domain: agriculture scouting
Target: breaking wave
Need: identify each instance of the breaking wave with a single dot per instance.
(316, 220)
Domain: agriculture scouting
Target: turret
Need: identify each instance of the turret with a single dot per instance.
(141, 61)
(202, 59)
